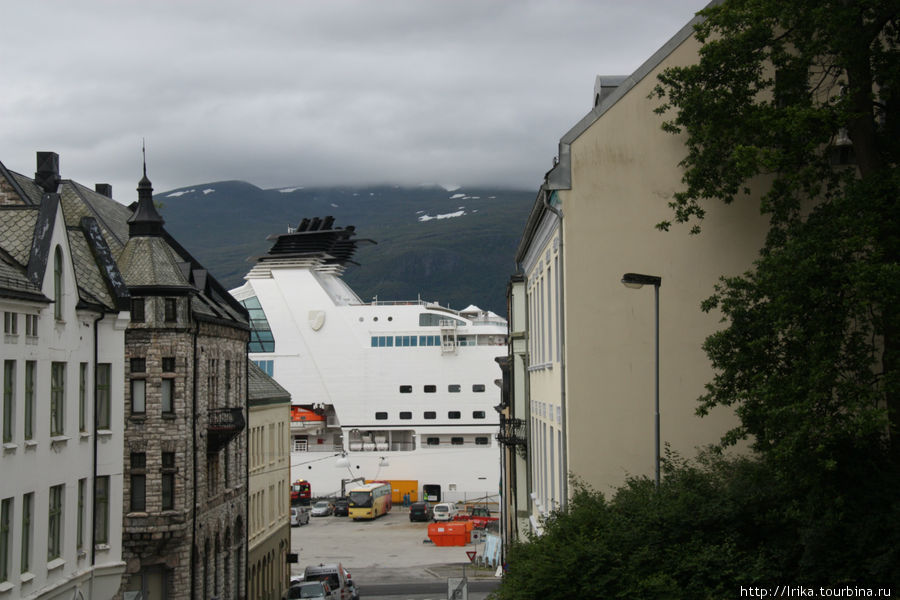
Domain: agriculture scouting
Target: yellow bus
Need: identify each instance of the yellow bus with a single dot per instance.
(370, 501)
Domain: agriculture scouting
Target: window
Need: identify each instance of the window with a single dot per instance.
(171, 306)
(405, 414)
(9, 399)
(30, 369)
(138, 387)
(482, 440)
(5, 534)
(435, 320)
(456, 441)
(454, 388)
(138, 482)
(432, 441)
(54, 522)
(104, 404)
(57, 398)
(137, 310)
(138, 396)
(478, 387)
(31, 326)
(430, 389)
(101, 509)
(167, 393)
(406, 389)
(477, 414)
(82, 502)
(227, 382)
(430, 414)
(82, 396)
(453, 414)
(168, 481)
(167, 385)
(381, 416)
(57, 284)
(10, 323)
(266, 365)
(27, 518)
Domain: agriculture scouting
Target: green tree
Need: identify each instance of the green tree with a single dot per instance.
(800, 99)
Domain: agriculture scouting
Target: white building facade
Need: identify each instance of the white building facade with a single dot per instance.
(62, 421)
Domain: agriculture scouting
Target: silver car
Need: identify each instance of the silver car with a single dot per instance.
(321, 509)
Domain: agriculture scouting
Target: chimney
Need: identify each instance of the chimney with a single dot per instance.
(47, 174)
(103, 189)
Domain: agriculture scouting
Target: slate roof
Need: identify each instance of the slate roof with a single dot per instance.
(15, 284)
(150, 261)
(262, 387)
(106, 257)
(16, 231)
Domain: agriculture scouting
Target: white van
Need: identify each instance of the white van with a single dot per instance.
(334, 574)
(445, 511)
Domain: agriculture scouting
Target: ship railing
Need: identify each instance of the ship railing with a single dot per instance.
(319, 448)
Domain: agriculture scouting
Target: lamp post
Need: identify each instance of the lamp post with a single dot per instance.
(635, 281)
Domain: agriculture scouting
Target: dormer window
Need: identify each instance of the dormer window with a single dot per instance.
(171, 310)
(57, 284)
(137, 310)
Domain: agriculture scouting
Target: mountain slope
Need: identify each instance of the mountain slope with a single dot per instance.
(454, 247)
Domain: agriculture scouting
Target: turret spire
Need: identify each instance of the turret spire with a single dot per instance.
(145, 220)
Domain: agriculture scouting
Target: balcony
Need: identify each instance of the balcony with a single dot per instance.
(225, 424)
(512, 433)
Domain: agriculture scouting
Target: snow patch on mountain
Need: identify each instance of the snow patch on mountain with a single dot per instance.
(452, 215)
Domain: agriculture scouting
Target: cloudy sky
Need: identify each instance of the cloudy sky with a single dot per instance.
(310, 92)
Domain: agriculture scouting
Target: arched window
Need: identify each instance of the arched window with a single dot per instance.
(58, 284)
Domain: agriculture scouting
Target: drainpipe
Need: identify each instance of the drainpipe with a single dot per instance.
(194, 482)
(245, 543)
(564, 454)
(94, 466)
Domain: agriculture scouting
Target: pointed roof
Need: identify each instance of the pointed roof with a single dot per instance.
(145, 220)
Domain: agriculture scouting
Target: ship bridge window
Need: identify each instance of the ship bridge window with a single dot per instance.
(381, 416)
(430, 389)
(406, 340)
(456, 441)
(405, 414)
(432, 441)
(482, 441)
(454, 388)
(261, 338)
(453, 414)
(382, 341)
(478, 387)
(430, 414)
(434, 320)
(477, 414)
(429, 340)
(406, 389)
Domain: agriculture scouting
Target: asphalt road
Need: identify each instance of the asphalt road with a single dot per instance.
(389, 558)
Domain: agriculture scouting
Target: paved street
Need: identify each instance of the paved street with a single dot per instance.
(390, 558)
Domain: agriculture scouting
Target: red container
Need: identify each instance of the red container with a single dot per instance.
(448, 534)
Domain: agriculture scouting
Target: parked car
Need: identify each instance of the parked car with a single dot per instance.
(312, 590)
(299, 516)
(341, 508)
(420, 511)
(445, 511)
(321, 509)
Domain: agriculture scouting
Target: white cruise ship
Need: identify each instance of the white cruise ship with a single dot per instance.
(401, 391)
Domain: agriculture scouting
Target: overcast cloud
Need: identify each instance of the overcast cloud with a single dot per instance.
(312, 92)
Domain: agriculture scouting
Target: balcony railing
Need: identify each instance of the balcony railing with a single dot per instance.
(512, 433)
(225, 424)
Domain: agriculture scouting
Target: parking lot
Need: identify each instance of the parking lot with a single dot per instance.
(377, 550)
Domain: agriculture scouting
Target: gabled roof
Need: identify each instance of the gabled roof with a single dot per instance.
(262, 388)
(560, 177)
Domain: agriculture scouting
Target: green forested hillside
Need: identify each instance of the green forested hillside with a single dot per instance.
(421, 251)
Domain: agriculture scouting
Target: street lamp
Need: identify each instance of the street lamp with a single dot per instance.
(635, 281)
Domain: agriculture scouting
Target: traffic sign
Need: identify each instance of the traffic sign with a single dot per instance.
(471, 554)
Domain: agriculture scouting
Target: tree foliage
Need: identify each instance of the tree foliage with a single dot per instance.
(716, 524)
(799, 99)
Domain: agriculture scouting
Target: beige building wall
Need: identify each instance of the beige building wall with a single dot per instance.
(624, 171)
(269, 511)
